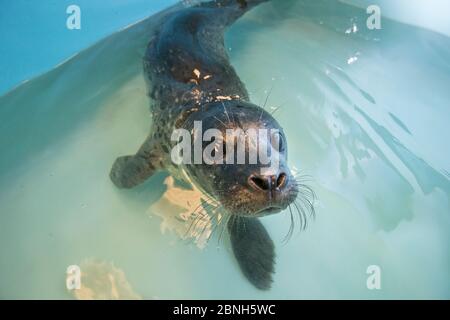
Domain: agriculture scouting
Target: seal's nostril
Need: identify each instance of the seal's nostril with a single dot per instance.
(268, 183)
(282, 179)
(260, 182)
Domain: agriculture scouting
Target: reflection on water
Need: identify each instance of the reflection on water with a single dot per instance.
(101, 280)
(184, 212)
(365, 113)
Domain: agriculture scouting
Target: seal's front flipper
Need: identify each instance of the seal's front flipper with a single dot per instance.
(130, 171)
(254, 251)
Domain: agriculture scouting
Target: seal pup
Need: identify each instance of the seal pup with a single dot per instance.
(190, 79)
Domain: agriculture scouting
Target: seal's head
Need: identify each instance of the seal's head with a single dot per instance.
(241, 158)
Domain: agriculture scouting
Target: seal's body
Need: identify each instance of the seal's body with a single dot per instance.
(190, 79)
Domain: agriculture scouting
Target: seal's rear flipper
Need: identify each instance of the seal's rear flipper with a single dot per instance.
(241, 4)
(254, 251)
(232, 9)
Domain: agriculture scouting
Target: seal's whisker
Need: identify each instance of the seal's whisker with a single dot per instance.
(229, 219)
(203, 230)
(302, 183)
(265, 103)
(226, 112)
(220, 121)
(299, 173)
(216, 222)
(260, 115)
(193, 222)
(216, 219)
(268, 96)
(198, 235)
(291, 227)
(300, 218)
(301, 215)
(302, 177)
(198, 207)
(305, 191)
(224, 226)
(275, 109)
(193, 225)
(306, 205)
(309, 205)
(228, 116)
(198, 216)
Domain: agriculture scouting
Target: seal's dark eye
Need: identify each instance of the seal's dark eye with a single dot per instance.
(278, 142)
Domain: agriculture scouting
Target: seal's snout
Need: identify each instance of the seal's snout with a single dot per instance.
(268, 183)
(269, 192)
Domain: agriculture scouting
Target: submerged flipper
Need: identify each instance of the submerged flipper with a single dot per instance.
(130, 171)
(254, 251)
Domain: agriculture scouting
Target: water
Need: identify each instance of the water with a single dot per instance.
(366, 117)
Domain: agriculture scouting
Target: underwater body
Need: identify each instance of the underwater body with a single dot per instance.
(365, 114)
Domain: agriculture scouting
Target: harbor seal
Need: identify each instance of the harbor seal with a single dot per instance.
(190, 79)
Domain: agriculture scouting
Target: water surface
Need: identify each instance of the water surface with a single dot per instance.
(365, 113)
